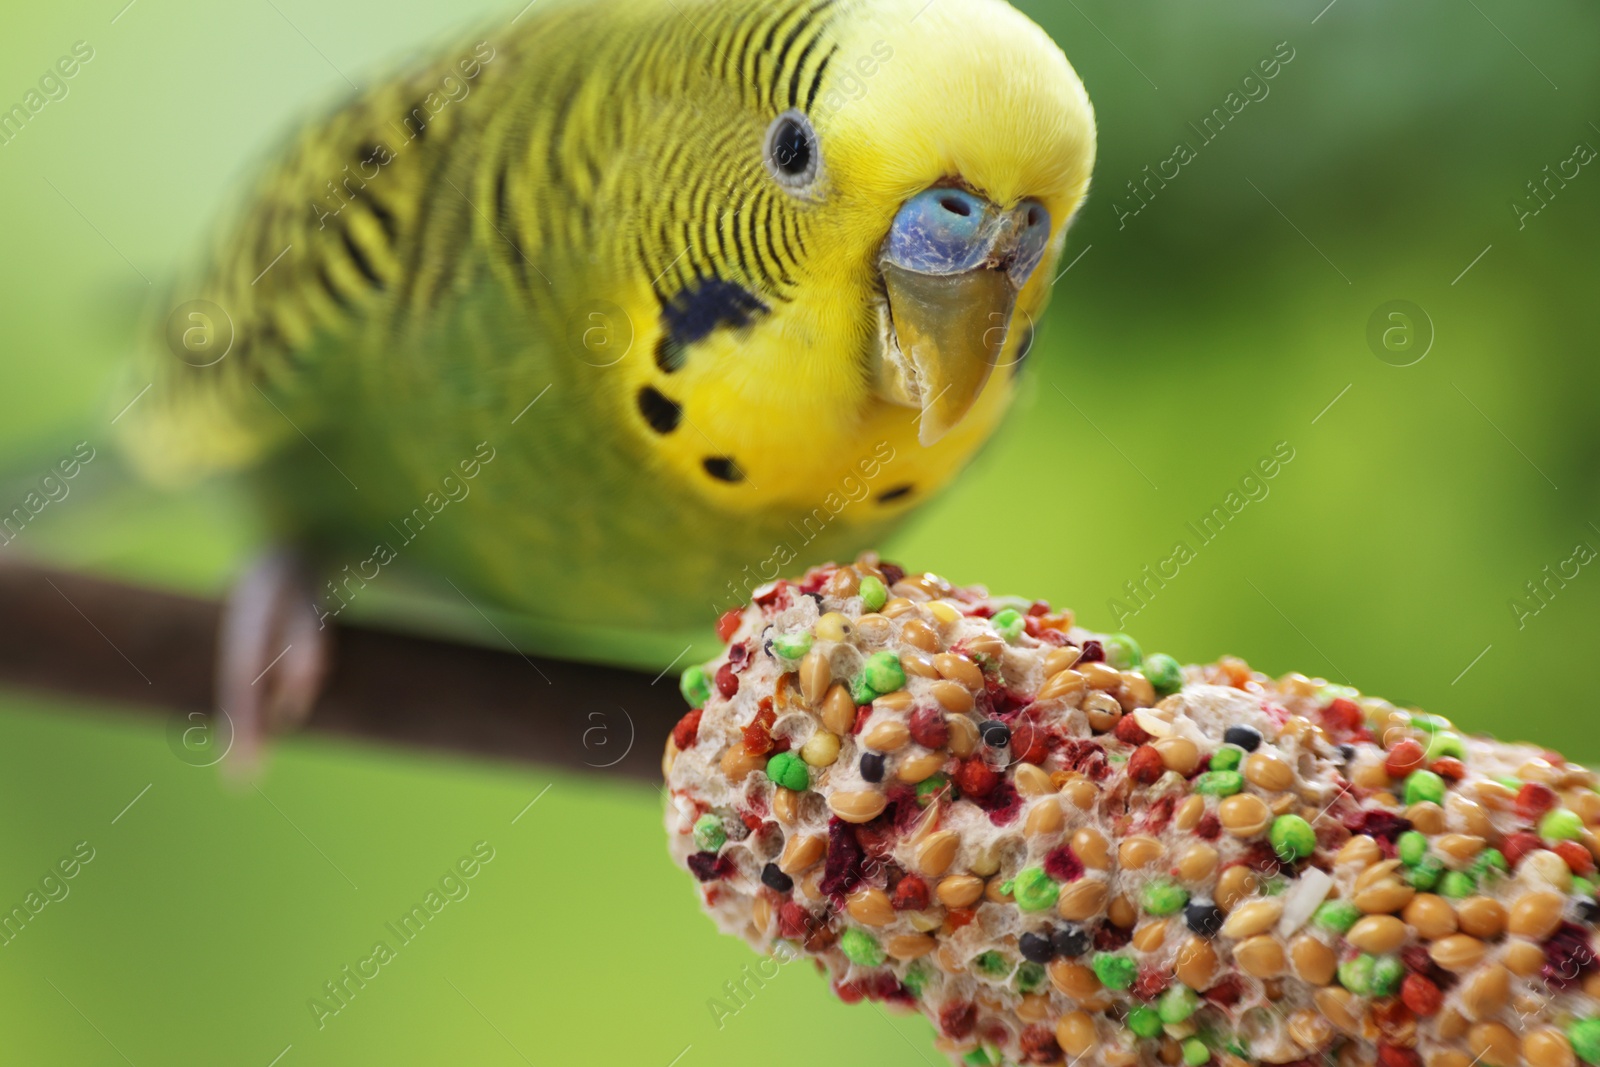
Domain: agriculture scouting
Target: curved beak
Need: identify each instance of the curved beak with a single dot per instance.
(952, 268)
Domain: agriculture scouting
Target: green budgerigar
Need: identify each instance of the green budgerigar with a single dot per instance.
(619, 308)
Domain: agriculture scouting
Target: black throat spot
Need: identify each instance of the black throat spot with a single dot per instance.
(701, 307)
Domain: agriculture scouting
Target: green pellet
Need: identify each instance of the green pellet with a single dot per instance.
(1178, 1003)
(1424, 787)
(1387, 973)
(883, 672)
(695, 685)
(874, 594)
(1227, 758)
(1584, 1035)
(861, 948)
(1216, 783)
(861, 692)
(1336, 915)
(1122, 652)
(1444, 743)
(916, 978)
(1162, 897)
(1457, 885)
(1561, 824)
(1114, 972)
(1030, 976)
(790, 771)
(1144, 1022)
(1425, 875)
(708, 832)
(1273, 886)
(1412, 846)
(1195, 1052)
(793, 646)
(1033, 890)
(1008, 624)
(1428, 724)
(1490, 863)
(929, 788)
(979, 1057)
(1164, 673)
(992, 964)
(1356, 974)
(1292, 838)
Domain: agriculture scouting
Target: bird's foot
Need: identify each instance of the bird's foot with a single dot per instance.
(272, 658)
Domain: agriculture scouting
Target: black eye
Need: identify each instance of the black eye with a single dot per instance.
(792, 153)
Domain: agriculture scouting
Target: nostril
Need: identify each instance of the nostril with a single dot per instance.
(1034, 217)
(956, 206)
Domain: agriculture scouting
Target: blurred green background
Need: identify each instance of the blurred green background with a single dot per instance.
(1185, 343)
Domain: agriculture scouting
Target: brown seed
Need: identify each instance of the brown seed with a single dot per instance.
(1370, 775)
(1256, 917)
(937, 852)
(785, 805)
(986, 648)
(1178, 754)
(1313, 961)
(1486, 992)
(897, 607)
(1101, 676)
(995, 894)
(887, 735)
(814, 677)
(952, 696)
(1235, 885)
(1197, 862)
(959, 890)
(1059, 659)
(802, 852)
(1073, 979)
(1089, 845)
(919, 634)
(858, 806)
(1377, 934)
(1426, 817)
(870, 907)
(1472, 814)
(1482, 917)
(918, 664)
(1343, 1008)
(1122, 911)
(914, 769)
(1260, 956)
(899, 700)
(1310, 1030)
(1196, 963)
(1189, 812)
(1075, 1033)
(1102, 712)
(1524, 958)
(1244, 815)
(1032, 781)
(761, 914)
(1065, 685)
(963, 735)
(839, 710)
(1535, 915)
(1459, 847)
(1450, 1058)
(1451, 1025)
(909, 946)
(1268, 771)
(1081, 792)
(1139, 851)
(1358, 852)
(1150, 936)
(1384, 896)
(737, 763)
(1135, 691)
(1044, 818)
(1081, 900)
(1494, 1044)
(958, 668)
(1548, 1047)
(1457, 953)
(1033, 1008)
(1432, 916)
(1375, 872)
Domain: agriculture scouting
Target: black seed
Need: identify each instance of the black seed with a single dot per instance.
(1246, 737)
(995, 734)
(775, 879)
(1203, 917)
(1347, 753)
(872, 766)
(1036, 947)
(1070, 941)
(1588, 910)
(722, 469)
(661, 413)
(888, 496)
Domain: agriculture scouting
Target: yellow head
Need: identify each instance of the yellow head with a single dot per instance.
(891, 186)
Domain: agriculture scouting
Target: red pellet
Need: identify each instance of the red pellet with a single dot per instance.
(728, 624)
(727, 681)
(1449, 768)
(1420, 994)
(1145, 765)
(1406, 756)
(958, 1018)
(1062, 865)
(1151, 983)
(1518, 845)
(928, 728)
(1395, 1056)
(911, 894)
(1209, 827)
(1029, 742)
(758, 734)
(1534, 799)
(1039, 1045)
(956, 918)
(687, 731)
(1578, 858)
(1342, 715)
(976, 778)
(1130, 732)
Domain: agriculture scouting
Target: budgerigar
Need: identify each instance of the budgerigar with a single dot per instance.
(619, 307)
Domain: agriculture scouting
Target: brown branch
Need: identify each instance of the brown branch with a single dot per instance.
(69, 634)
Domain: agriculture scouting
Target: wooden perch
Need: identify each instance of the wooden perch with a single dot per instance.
(70, 634)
